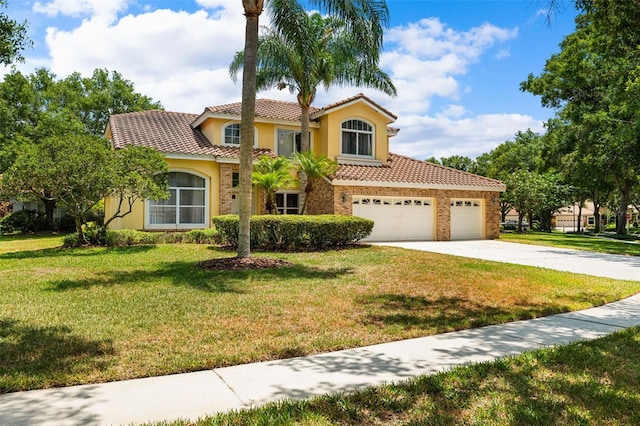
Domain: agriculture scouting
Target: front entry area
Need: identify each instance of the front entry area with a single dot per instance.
(397, 218)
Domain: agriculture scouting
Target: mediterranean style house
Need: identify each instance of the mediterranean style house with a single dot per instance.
(408, 199)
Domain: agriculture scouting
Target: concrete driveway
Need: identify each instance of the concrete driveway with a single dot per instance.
(578, 261)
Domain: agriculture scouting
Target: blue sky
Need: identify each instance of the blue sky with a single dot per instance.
(457, 64)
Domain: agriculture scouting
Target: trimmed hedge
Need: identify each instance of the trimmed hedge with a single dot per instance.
(129, 237)
(290, 232)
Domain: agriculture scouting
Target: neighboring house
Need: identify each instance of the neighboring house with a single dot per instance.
(408, 199)
(568, 218)
(58, 212)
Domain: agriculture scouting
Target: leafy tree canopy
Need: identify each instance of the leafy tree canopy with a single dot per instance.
(77, 171)
(594, 85)
(13, 38)
(40, 106)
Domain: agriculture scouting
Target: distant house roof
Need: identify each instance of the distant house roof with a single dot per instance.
(169, 133)
(409, 172)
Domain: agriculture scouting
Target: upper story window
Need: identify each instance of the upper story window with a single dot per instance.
(288, 142)
(357, 138)
(231, 135)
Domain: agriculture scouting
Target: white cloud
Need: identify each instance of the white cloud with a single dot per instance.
(163, 52)
(453, 111)
(442, 136)
(502, 53)
(96, 8)
(426, 58)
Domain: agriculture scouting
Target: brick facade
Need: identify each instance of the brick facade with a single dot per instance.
(327, 199)
(226, 186)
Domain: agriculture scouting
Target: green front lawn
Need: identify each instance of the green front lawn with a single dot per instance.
(575, 241)
(70, 316)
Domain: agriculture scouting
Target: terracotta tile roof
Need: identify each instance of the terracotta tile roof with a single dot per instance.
(265, 108)
(168, 132)
(405, 170)
(329, 107)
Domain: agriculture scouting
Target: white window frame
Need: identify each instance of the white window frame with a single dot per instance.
(283, 209)
(372, 134)
(295, 132)
(177, 225)
(223, 136)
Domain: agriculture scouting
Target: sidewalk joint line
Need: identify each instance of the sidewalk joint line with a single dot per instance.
(598, 322)
(230, 388)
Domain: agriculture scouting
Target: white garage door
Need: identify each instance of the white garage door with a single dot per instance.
(397, 218)
(467, 219)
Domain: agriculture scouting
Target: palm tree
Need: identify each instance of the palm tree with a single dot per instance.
(365, 19)
(272, 174)
(314, 168)
(321, 52)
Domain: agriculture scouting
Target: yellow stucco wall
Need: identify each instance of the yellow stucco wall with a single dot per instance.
(205, 168)
(330, 142)
(266, 132)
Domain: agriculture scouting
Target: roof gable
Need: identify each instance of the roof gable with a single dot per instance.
(169, 133)
(359, 98)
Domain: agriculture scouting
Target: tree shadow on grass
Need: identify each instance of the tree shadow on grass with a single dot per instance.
(445, 313)
(36, 356)
(75, 252)
(187, 274)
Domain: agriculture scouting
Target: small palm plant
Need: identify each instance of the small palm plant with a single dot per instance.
(313, 168)
(272, 174)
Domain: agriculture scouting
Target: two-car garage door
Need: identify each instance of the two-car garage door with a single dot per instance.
(413, 218)
(397, 218)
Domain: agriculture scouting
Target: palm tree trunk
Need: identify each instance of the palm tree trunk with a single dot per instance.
(305, 143)
(252, 11)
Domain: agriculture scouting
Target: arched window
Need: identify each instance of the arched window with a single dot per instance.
(357, 138)
(186, 206)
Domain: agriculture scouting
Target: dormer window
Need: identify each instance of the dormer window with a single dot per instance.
(232, 134)
(357, 138)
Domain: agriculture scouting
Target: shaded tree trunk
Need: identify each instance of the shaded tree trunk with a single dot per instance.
(520, 219)
(545, 221)
(49, 207)
(623, 204)
(504, 209)
(579, 227)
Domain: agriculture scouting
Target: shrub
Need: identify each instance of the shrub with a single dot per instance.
(128, 237)
(288, 232)
(23, 221)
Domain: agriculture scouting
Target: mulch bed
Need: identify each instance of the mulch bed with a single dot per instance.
(243, 264)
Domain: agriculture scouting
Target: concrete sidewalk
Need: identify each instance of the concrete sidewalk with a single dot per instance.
(193, 395)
